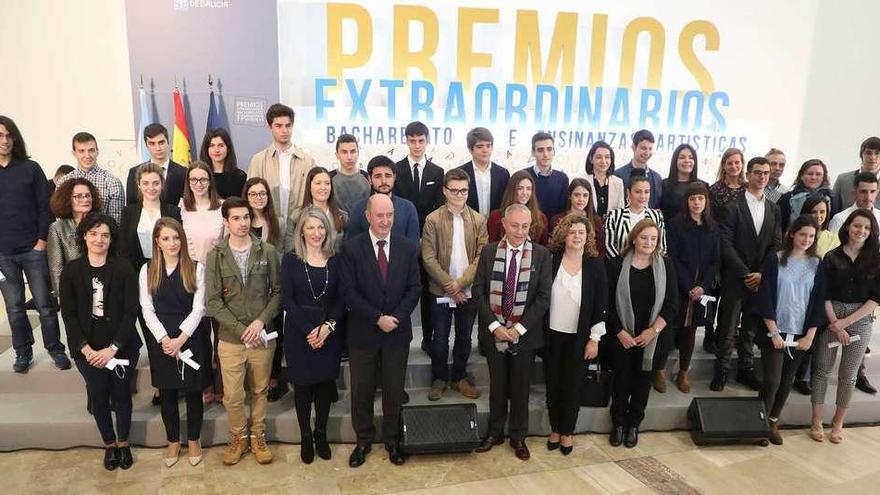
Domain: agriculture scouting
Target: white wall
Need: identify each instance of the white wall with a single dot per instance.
(66, 69)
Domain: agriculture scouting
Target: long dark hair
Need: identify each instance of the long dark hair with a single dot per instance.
(811, 202)
(61, 202)
(274, 234)
(337, 219)
(788, 241)
(589, 211)
(189, 198)
(509, 197)
(869, 256)
(19, 150)
(699, 189)
(230, 163)
(93, 220)
(673, 165)
(588, 166)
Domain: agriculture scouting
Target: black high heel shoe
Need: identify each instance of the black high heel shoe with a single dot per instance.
(111, 458)
(563, 449)
(552, 445)
(125, 458)
(321, 445)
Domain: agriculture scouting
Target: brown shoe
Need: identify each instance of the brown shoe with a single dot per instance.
(238, 446)
(437, 389)
(260, 448)
(488, 443)
(775, 437)
(520, 449)
(466, 389)
(682, 382)
(660, 381)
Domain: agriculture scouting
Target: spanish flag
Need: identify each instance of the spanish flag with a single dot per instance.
(180, 147)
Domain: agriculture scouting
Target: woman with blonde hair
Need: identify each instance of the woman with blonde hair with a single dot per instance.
(172, 296)
(730, 181)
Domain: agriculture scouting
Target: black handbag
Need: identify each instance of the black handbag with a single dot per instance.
(595, 387)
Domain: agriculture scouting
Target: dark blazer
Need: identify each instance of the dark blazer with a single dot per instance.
(594, 297)
(537, 298)
(368, 297)
(742, 249)
(696, 253)
(120, 306)
(172, 192)
(431, 195)
(766, 302)
(498, 182)
(129, 245)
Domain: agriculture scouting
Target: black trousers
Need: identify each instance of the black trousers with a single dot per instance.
(735, 303)
(318, 394)
(509, 381)
(779, 371)
(104, 386)
(195, 411)
(631, 387)
(665, 344)
(563, 370)
(426, 307)
(278, 326)
(384, 366)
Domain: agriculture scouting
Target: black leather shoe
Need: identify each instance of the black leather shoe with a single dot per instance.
(274, 394)
(321, 445)
(616, 436)
(864, 385)
(111, 458)
(747, 377)
(156, 400)
(520, 449)
(488, 443)
(632, 437)
(358, 455)
(719, 379)
(395, 456)
(803, 387)
(125, 458)
(566, 450)
(552, 445)
(61, 361)
(307, 448)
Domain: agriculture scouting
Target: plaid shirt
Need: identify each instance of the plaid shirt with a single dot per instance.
(109, 188)
(773, 193)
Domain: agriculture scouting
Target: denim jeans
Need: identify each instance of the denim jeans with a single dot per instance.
(35, 267)
(464, 323)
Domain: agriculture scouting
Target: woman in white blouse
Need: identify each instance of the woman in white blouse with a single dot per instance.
(578, 305)
(172, 296)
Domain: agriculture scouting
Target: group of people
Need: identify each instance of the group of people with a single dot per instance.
(228, 273)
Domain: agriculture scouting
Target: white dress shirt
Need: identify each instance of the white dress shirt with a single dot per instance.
(509, 256)
(458, 260)
(422, 162)
(189, 325)
(565, 301)
(756, 208)
(386, 248)
(483, 182)
(284, 163)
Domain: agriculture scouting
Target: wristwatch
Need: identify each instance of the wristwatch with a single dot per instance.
(657, 330)
(113, 346)
(332, 325)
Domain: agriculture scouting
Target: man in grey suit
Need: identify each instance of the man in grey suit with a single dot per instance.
(843, 186)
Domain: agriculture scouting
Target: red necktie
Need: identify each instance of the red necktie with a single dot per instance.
(383, 260)
(509, 293)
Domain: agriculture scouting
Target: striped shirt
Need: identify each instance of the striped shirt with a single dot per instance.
(618, 224)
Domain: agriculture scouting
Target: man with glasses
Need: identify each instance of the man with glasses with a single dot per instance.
(156, 138)
(24, 210)
(453, 237)
(85, 150)
(775, 189)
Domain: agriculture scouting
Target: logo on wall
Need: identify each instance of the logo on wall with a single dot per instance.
(185, 5)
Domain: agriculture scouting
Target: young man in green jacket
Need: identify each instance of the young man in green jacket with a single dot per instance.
(244, 295)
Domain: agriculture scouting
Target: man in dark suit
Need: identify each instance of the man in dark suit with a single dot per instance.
(380, 283)
(512, 294)
(421, 182)
(751, 229)
(156, 137)
(488, 179)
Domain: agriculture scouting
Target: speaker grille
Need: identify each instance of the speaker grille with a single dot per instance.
(440, 428)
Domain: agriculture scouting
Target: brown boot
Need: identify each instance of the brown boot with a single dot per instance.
(775, 437)
(466, 389)
(238, 446)
(260, 449)
(660, 381)
(682, 382)
(437, 389)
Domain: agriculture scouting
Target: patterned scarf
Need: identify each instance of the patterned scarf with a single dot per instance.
(499, 275)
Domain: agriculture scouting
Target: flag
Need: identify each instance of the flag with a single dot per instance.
(146, 118)
(180, 147)
(213, 115)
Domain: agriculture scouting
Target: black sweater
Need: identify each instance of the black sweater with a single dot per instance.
(641, 305)
(24, 206)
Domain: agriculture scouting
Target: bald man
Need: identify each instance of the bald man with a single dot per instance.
(381, 285)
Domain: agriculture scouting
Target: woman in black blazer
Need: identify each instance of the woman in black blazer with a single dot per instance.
(642, 298)
(578, 307)
(138, 220)
(694, 244)
(99, 301)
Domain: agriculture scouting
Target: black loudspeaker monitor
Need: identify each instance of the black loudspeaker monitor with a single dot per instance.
(436, 429)
(718, 420)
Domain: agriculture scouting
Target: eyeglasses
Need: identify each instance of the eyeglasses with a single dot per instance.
(260, 195)
(760, 172)
(457, 192)
(203, 181)
(81, 197)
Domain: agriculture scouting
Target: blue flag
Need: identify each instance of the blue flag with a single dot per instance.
(146, 118)
(213, 115)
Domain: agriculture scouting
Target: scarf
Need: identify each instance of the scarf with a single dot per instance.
(499, 275)
(624, 303)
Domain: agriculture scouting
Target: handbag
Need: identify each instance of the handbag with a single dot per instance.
(595, 386)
